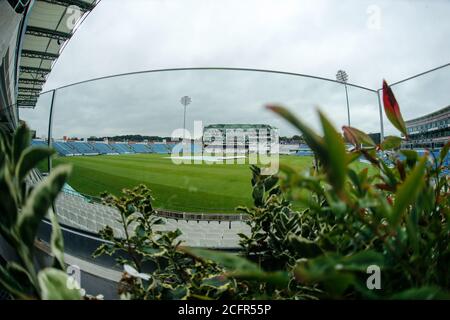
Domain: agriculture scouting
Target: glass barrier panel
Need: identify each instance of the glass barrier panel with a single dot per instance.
(121, 131)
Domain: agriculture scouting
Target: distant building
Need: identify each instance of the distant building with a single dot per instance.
(429, 131)
(239, 138)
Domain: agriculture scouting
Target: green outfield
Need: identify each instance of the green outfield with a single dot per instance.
(185, 187)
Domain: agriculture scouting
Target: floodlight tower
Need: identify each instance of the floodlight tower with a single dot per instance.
(185, 101)
(342, 77)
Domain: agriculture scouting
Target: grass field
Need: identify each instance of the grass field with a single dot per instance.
(185, 187)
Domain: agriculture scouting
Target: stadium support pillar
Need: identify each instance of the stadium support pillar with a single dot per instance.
(381, 117)
(50, 126)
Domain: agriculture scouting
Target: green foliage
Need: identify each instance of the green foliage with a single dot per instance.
(237, 267)
(394, 216)
(337, 273)
(357, 137)
(22, 208)
(157, 266)
(391, 142)
(175, 274)
(53, 284)
(273, 225)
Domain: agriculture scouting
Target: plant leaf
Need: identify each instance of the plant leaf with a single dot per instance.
(314, 141)
(391, 142)
(357, 137)
(30, 158)
(392, 110)
(279, 278)
(57, 243)
(11, 283)
(258, 194)
(408, 191)
(307, 248)
(21, 141)
(361, 260)
(54, 285)
(38, 204)
(335, 161)
(177, 293)
(423, 293)
(336, 272)
(229, 261)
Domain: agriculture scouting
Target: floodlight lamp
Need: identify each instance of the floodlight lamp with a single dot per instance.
(186, 100)
(341, 76)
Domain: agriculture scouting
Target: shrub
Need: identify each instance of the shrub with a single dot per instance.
(22, 207)
(395, 218)
(157, 266)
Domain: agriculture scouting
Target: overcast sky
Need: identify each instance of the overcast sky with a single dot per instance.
(371, 40)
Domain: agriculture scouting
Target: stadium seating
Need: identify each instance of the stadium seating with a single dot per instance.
(64, 149)
(83, 147)
(163, 148)
(140, 148)
(160, 148)
(61, 147)
(304, 150)
(75, 148)
(170, 146)
(122, 148)
(41, 143)
(104, 148)
(87, 148)
(434, 158)
(76, 211)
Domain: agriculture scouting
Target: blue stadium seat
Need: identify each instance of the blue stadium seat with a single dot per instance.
(63, 148)
(60, 147)
(304, 150)
(140, 148)
(160, 148)
(83, 147)
(104, 148)
(41, 143)
(170, 146)
(122, 148)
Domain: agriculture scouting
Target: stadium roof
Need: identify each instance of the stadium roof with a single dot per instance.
(239, 126)
(430, 116)
(49, 26)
